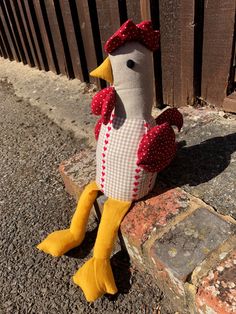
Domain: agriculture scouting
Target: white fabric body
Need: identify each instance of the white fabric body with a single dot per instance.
(134, 87)
(118, 175)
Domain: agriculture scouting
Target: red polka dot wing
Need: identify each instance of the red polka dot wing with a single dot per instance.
(172, 116)
(108, 104)
(103, 104)
(157, 148)
(97, 128)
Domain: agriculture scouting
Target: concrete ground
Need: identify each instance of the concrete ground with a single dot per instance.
(205, 166)
(32, 204)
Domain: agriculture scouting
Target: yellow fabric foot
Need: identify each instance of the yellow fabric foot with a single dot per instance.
(59, 242)
(95, 278)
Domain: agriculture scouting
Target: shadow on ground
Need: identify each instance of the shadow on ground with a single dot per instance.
(86, 246)
(200, 163)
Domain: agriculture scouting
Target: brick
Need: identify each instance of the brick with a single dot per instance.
(217, 291)
(229, 103)
(147, 216)
(179, 251)
(78, 171)
(213, 259)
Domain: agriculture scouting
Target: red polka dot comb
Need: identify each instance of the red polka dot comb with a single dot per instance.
(143, 32)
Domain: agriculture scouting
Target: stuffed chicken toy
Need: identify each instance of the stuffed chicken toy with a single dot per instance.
(132, 147)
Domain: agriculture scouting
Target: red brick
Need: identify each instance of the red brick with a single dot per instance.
(147, 217)
(153, 212)
(70, 186)
(217, 291)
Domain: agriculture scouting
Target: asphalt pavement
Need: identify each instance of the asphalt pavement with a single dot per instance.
(32, 204)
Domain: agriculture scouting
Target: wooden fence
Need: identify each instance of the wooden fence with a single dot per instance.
(195, 62)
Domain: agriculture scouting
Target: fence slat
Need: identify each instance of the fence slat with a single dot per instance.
(39, 49)
(20, 30)
(1, 49)
(14, 30)
(109, 20)
(8, 33)
(27, 32)
(145, 9)
(170, 51)
(217, 48)
(87, 36)
(4, 43)
(56, 36)
(150, 11)
(134, 10)
(71, 38)
(44, 35)
(177, 34)
(187, 52)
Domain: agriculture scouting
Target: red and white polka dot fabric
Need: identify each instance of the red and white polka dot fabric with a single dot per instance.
(143, 32)
(103, 103)
(157, 148)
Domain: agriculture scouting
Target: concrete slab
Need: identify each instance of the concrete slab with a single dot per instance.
(78, 171)
(206, 165)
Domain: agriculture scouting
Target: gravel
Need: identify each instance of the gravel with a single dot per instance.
(32, 204)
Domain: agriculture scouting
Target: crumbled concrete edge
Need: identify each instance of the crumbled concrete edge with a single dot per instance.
(66, 102)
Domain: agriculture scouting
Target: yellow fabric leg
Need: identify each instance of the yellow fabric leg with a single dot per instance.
(81, 215)
(95, 277)
(61, 241)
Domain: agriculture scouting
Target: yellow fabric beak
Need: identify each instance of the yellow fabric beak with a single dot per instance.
(104, 71)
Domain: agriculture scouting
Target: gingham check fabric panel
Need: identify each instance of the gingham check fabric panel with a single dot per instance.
(116, 157)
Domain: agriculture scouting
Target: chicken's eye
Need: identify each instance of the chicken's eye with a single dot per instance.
(130, 63)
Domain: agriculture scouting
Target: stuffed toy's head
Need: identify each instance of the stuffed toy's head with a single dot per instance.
(129, 67)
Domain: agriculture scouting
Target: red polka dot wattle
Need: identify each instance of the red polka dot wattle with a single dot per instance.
(102, 104)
